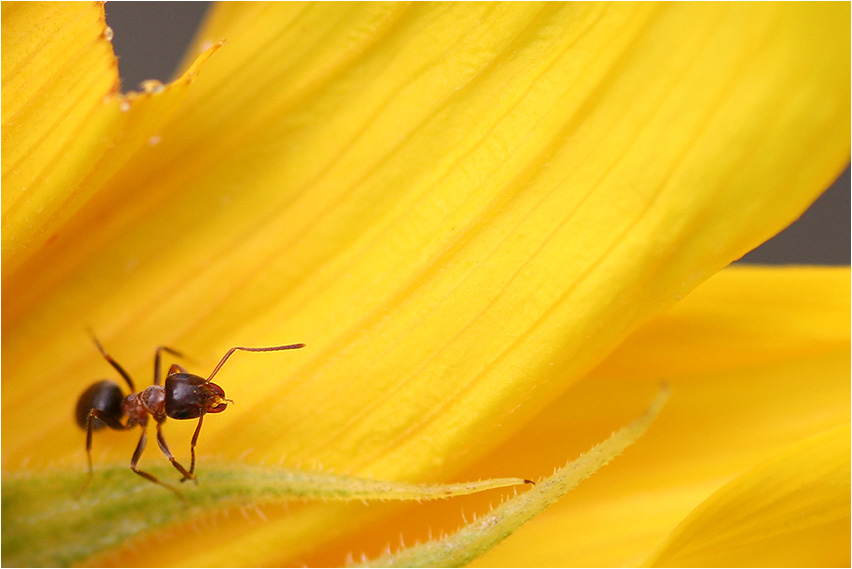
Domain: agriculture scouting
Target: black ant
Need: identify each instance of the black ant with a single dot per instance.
(185, 396)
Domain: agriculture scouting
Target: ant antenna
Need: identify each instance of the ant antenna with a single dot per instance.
(232, 350)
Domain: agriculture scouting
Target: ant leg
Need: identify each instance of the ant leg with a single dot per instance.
(232, 350)
(192, 449)
(161, 440)
(114, 364)
(110, 422)
(157, 358)
(135, 460)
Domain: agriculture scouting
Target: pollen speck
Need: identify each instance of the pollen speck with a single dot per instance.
(151, 86)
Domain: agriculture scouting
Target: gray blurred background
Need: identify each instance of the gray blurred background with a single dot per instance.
(150, 38)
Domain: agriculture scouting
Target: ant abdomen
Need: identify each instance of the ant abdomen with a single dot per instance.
(104, 396)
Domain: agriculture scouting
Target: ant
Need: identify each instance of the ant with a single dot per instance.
(185, 396)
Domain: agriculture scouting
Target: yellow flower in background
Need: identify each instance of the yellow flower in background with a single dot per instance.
(477, 216)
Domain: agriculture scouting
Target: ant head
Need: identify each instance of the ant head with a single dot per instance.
(190, 396)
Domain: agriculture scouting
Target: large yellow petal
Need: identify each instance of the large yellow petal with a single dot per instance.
(757, 360)
(442, 254)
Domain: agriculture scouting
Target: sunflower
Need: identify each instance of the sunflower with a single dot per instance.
(497, 227)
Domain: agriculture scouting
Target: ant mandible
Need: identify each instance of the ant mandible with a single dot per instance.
(185, 396)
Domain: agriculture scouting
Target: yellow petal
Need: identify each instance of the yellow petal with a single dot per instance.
(791, 511)
(58, 67)
(444, 254)
(757, 360)
(66, 128)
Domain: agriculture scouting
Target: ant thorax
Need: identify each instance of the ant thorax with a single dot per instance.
(150, 401)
